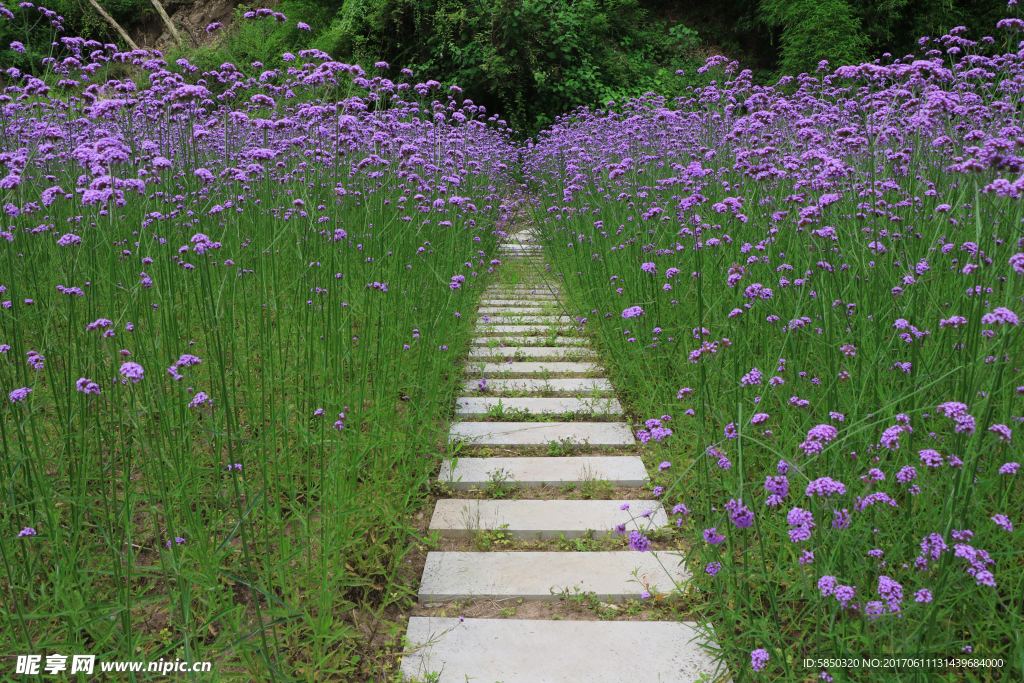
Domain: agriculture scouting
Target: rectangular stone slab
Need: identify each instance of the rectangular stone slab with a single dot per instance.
(510, 310)
(474, 406)
(525, 319)
(531, 367)
(541, 519)
(581, 386)
(539, 651)
(542, 294)
(579, 434)
(619, 470)
(528, 289)
(521, 329)
(542, 576)
(530, 351)
(536, 341)
(533, 301)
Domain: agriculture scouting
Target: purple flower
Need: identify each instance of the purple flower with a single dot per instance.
(827, 585)
(1003, 521)
(758, 659)
(664, 466)
(907, 473)
(932, 546)
(177, 539)
(877, 497)
(27, 531)
(778, 487)
(131, 371)
(19, 395)
(1009, 468)
(817, 437)
(844, 594)
(806, 557)
(633, 312)
(750, 379)
(739, 514)
(638, 541)
(658, 490)
(712, 537)
(198, 400)
(930, 457)
(680, 509)
(842, 519)
(802, 522)
(825, 486)
(303, 26)
(1000, 316)
(758, 418)
(923, 595)
(87, 386)
(1002, 431)
(713, 568)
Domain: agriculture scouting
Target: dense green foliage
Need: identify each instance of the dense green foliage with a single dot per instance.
(32, 30)
(532, 60)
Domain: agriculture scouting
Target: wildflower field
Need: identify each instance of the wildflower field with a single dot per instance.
(809, 295)
(232, 329)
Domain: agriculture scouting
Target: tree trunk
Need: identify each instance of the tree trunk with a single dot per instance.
(167, 20)
(110, 19)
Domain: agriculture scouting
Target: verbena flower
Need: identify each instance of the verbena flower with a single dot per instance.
(1002, 521)
(739, 514)
(639, 542)
(131, 371)
(712, 537)
(825, 486)
(19, 395)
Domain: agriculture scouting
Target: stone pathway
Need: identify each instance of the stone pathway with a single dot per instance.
(525, 345)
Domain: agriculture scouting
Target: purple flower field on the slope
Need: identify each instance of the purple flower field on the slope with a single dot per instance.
(227, 347)
(810, 294)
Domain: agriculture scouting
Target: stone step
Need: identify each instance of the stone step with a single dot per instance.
(468, 473)
(542, 519)
(536, 341)
(475, 406)
(515, 310)
(579, 386)
(544, 576)
(533, 367)
(498, 330)
(540, 294)
(525, 289)
(530, 351)
(524, 319)
(533, 302)
(535, 651)
(576, 434)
